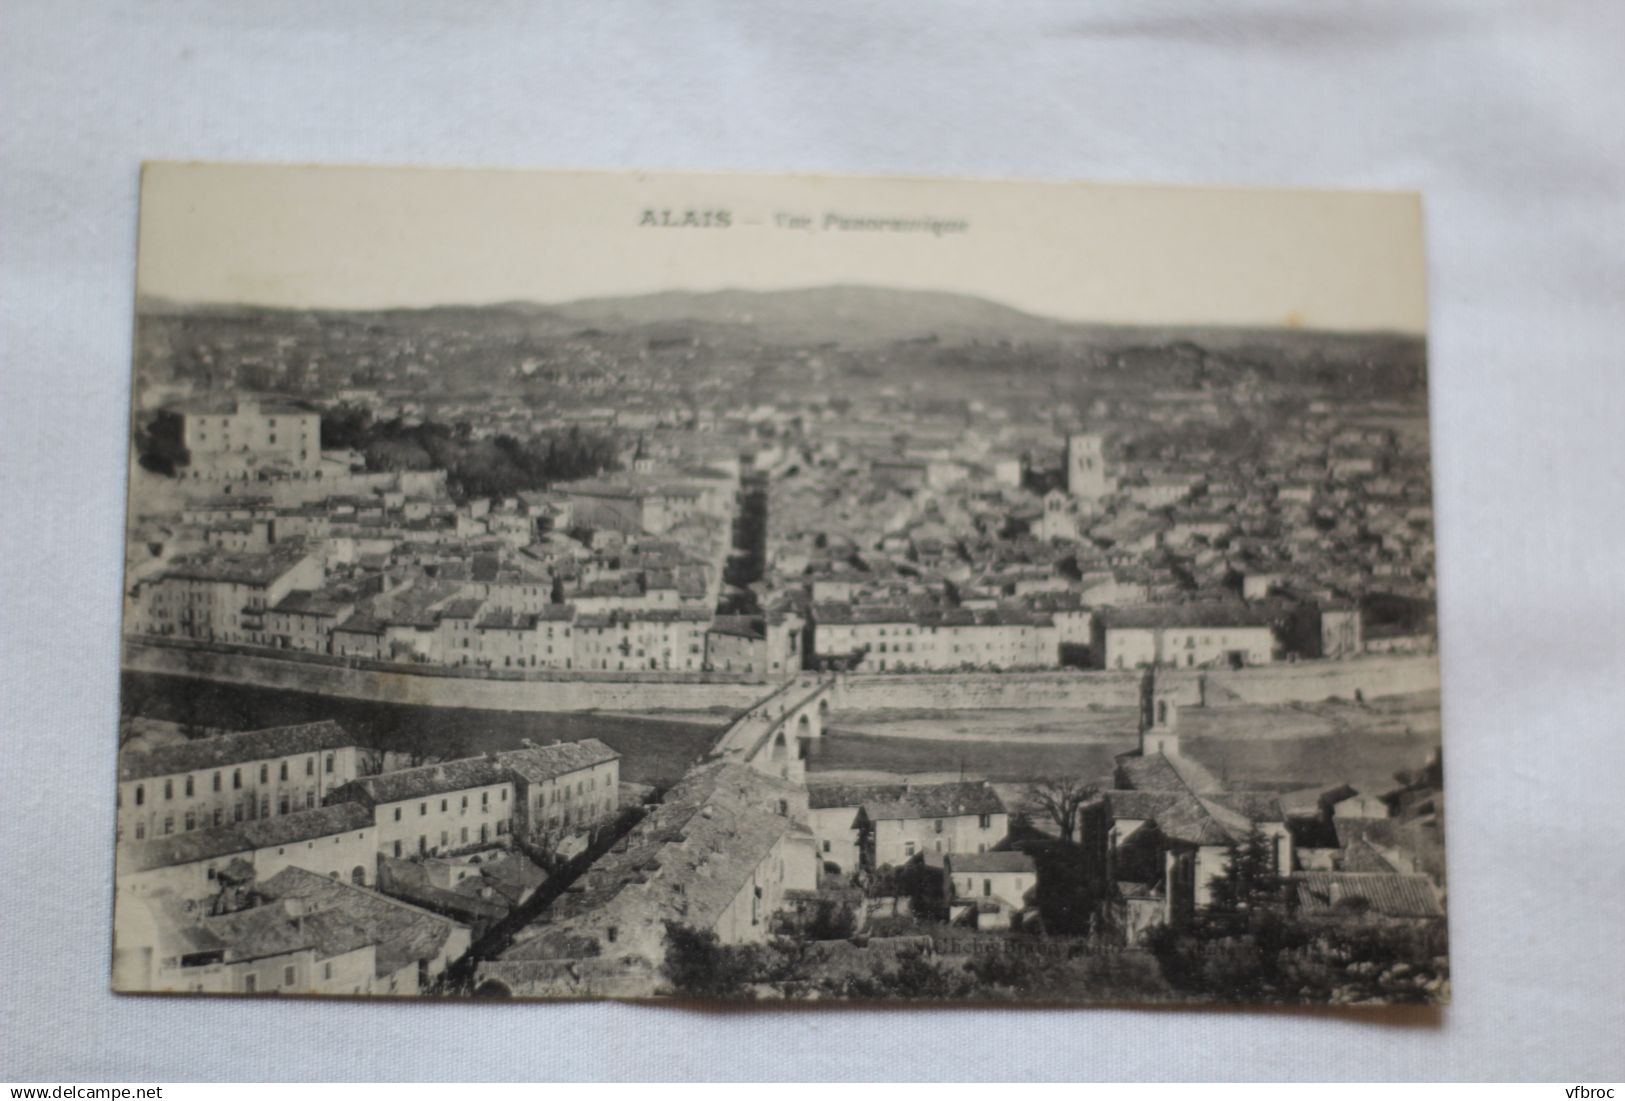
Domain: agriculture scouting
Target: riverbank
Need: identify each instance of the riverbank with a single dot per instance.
(654, 750)
(434, 686)
(724, 694)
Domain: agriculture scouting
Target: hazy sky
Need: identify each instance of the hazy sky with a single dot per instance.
(365, 237)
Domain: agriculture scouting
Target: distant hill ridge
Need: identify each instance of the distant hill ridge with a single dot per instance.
(844, 313)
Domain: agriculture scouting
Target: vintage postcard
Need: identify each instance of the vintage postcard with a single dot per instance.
(560, 585)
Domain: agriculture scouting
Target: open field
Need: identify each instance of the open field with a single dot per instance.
(845, 756)
(656, 751)
(1396, 715)
(1287, 745)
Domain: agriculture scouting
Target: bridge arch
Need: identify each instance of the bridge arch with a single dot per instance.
(778, 732)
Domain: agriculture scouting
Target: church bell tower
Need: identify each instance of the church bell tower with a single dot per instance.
(1159, 719)
(1086, 466)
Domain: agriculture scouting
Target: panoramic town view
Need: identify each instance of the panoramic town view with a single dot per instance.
(842, 642)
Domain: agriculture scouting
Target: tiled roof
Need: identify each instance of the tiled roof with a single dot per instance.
(1157, 772)
(983, 617)
(257, 933)
(1142, 806)
(991, 862)
(437, 779)
(739, 626)
(361, 624)
(511, 876)
(1055, 602)
(841, 614)
(1186, 801)
(631, 616)
(242, 837)
(462, 608)
(861, 614)
(826, 796)
(540, 763)
(1363, 856)
(1184, 819)
(506, 619)
(1151, 772)
(608, 586)
(1184, 615)
(200, 754)
(1232, 822)
(305, 825)
(306, 602)
(687, 861)
(1255, 806)
(241, 569)
(1386, 893)
(936, 801)
(403, 933)
(1387, 833)
(409, 880)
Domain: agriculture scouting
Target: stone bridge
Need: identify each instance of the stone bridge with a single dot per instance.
(774, 735)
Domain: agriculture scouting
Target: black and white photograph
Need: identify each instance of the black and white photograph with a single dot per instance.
(778, 588)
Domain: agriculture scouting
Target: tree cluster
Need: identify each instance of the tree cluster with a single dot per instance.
(1253, 946)
(498, 466)
(1281, 958)
(159, 445)
(829, 920)
(698, 965)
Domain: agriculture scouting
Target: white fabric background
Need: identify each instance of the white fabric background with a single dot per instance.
(1507, 115)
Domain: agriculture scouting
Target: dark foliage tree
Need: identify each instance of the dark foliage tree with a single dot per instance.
(346, 427)
(830, 920)
(788, 964)
(913, 977)
(497, 467)
(1250, 880)
(1067, 894)
(1005, 974)
(1270, 956)
(132, 704)
(1396, 612)
(698, 965)
(418, 744)
(158, 444)
(1061, 800)
(925, 890)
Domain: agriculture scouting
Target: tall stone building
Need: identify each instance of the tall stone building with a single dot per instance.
(1086, 466)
